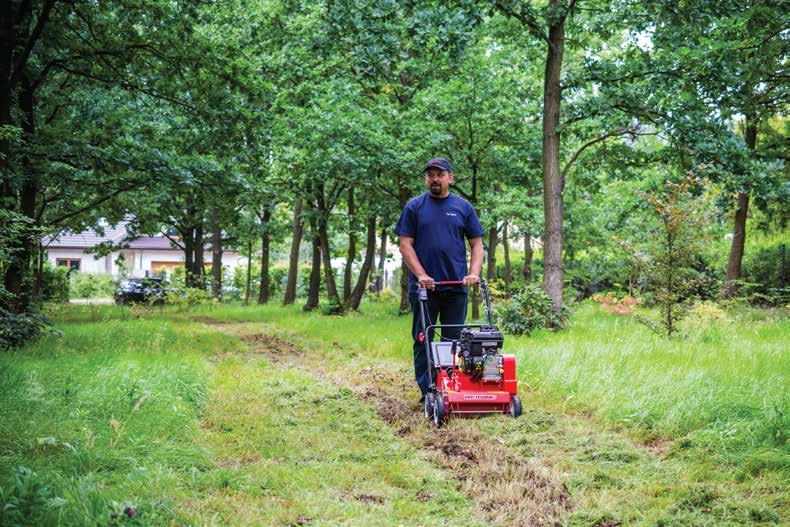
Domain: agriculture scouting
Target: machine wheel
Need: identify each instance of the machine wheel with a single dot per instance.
(438, 411)
(427, 405)
(514, 409)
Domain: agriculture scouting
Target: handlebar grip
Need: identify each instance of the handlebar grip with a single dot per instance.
(447, 282)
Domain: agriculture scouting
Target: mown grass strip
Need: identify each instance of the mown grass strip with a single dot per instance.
(291, 450)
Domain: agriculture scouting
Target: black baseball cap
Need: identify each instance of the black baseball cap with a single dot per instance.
(440, 163)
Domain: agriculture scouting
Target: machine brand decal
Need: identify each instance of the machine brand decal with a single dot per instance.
(481, 397)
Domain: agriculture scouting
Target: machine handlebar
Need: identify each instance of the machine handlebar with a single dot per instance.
(423, 294)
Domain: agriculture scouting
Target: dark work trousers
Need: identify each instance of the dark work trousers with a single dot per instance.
(445, 307)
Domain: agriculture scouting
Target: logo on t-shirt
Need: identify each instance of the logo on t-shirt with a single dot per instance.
(450, 213)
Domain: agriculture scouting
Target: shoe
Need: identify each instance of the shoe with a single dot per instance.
(422, 399)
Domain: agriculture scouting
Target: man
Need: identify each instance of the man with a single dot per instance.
(432, 229)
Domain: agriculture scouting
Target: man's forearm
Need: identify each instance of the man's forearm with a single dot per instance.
(476, 264)
(410, 257)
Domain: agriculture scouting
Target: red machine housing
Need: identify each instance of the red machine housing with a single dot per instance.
(463, 395)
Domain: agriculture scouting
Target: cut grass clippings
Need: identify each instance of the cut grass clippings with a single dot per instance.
(506, 489)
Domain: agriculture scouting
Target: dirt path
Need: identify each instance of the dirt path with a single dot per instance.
(506, 488)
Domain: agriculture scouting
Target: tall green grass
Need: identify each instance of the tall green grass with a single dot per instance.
(98, 425)
(722, 387)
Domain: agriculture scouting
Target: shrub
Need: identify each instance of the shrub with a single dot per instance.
(704, 313)
(190, 297)
(55, 285)
(178, 277)
(89, 285)
(763, 278)
(17, 329)
(528, 310)
(332, 308)
(278, 278)
(621, 306)
(385, 296)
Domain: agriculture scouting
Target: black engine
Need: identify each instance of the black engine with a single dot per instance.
(480, 352)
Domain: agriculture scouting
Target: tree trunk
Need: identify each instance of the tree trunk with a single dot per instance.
(405, 305)
(553, 185)
(323, 237)
(18, 277)
(8, 43)
(739, 228)
(370, 253)
(492, 242)
(329, 275)
(39, 286)
(199, 259)
(527, 270)
(314, 287)
(216, 256)
(508, 276)
(188, 241)
(263, 294)
(249, 272)
(382, 256)
(352, 248)
(474, 292)
(293, 259)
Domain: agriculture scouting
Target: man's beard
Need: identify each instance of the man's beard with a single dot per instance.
(436, 190)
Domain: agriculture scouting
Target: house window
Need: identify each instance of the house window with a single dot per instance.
(72, 263)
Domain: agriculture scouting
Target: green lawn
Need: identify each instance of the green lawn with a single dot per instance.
(165, 416)
(218, 436)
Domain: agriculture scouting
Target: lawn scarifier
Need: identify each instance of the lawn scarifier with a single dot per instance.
(469, 376)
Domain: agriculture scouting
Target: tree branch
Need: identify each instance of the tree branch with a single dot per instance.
(93, 204)
(173, 241)
(604, 137)
(19, 65)
(527, 19)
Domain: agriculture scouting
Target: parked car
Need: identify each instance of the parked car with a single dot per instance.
(142, 290)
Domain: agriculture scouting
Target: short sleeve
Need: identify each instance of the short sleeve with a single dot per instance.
(407, 224)
(473, 229)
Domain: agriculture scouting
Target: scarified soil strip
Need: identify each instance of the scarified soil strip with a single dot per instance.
(506, 488)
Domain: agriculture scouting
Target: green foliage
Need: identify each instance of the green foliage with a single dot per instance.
(55, 284)
(17, 329)
(385, 296)
(529, 309)
(178, 277)
(764, 280)
(331, 307)
(679, 234)
(26, 499)
(186, 299)
(90, 285)
(703, 314)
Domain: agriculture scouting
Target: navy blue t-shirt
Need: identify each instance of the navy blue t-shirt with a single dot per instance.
(440, 227)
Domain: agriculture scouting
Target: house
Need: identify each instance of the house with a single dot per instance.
(142, 256)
